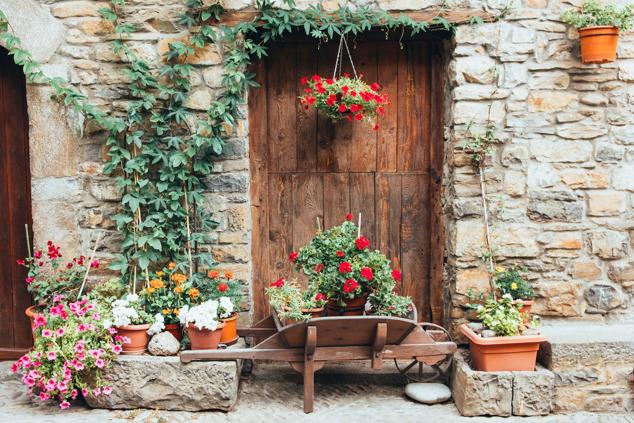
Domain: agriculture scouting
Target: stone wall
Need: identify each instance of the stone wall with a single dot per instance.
(560, 184)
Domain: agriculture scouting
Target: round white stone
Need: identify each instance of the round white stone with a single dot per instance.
(428, 393)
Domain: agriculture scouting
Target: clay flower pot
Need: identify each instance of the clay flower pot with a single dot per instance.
(314, 312)
(502, 353)
(138, 338)
(229, 334)
(353, 307)
(204, 339)
(31, 313)
(175, 330)
(526, 306)
(598, 44)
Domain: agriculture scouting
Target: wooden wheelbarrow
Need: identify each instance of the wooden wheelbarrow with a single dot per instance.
(307, 346)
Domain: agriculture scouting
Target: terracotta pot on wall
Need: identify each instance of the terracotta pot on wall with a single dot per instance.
(138, 338)
(353, 307)
(31, 313)
(502, 353)
(175, 330)
(204, 339)
(598, 44)
(526, 306)
(229, 334)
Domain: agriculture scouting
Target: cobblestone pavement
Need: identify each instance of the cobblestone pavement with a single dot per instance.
(273, 394)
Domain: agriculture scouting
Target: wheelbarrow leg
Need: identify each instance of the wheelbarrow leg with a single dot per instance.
(309, 368)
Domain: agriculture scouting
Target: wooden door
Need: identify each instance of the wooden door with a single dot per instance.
(15, 208)
(305, 167)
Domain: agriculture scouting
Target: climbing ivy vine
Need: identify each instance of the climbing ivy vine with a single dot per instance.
(159, 151)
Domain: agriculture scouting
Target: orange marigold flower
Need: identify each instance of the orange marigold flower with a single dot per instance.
(156, 283)
(213, 274)
(228, 275)
(166, 311)
(176, 312)
(150, 290)
(179, 278)
(193, 293)
(178, 289)
(160, 273)
(171, 265)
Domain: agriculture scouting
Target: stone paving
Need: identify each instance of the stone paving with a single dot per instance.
(273, 394)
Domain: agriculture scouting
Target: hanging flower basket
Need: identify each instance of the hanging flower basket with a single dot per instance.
(346, 97)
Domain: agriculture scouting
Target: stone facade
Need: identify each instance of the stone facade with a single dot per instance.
(560, 182)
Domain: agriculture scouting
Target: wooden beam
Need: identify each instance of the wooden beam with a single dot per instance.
(455, 16)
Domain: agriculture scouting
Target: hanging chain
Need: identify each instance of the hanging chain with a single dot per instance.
(339, 63)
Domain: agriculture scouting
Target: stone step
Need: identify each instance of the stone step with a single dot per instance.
(592, 364)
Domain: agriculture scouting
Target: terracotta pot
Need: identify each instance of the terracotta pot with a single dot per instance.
(204, 339)
(353, 307)
(175, 330)
(503, 353)
(314, 312)
(526, 306)
(229, 334)
(598, 44)
(31, 313)
(138, 338)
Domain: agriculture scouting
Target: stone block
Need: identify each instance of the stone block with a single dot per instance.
(605, 203)
(586, 270)
(621, 272)
(165, 383)
(550, 101)
(561, 240)
(578, 178)
(516, 240)
(532, 392)
(473, 69)
(561, 151)
(70, 9)
(478, 393)
(558, 298)
(227, 182)
(607, 152)
(609, 245)
(626, 70)
(578, 131)
(622, 177)
(209, 55)
(478, 112)
(602, 297)
(624, 134)
(552, 205)
(468, 240)
(474, 279)
(199, 99)
(555, 80)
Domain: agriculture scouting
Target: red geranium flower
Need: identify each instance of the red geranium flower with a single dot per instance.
(375, 86)
(342, 108)
(320, 88)
(350, 285)
(308, 90)
(329, 81)
(358, 116)
(396, 275)
(376, 127)
(355, 108)
(316, 78)
(349, 217)
(222, 287)
(20, 262)
(303, 80)
(344, 89)
(366, 273)
(319, 267)
(362, 243)
(278, 283)
(340, 253)
(320, 297)
(345, 267)
(331, 100)
(293, 256)
(310, 99)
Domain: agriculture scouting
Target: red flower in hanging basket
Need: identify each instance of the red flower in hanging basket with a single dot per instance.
(345, 267)
(344, 98)
(396, 275)
(278, 283)
(293, 256)
(349, 217)
(340, 253)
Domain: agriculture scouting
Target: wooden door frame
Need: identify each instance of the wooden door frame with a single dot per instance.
(258, 157)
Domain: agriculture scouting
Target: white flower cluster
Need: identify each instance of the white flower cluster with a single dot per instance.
(122, 311)
(226, 307)
(203, 316)
(158, 325)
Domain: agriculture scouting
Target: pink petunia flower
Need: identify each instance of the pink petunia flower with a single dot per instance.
(64, 405)
(39, 321)
(52, 355)
(46, 333)
(44, 396)
(107, 390)
(100, 363)
(60, 332)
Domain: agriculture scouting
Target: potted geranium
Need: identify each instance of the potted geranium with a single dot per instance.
(291, 304)
(72, 348)
(340, 264)
(203, 324)
(504, 341)
(49, 276)
(599, 28)
(511, 281)
(131, 320)
(344, 98)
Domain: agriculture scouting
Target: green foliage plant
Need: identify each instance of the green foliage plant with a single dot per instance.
(288, 300)
(512, 281)
(592, 13)
(502, 315)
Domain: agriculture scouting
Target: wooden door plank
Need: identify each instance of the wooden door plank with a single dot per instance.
(388, 217)
(258, 159)
(415, 242)
(437, 158)
(280, 226)
(336, 198)
(308, 206)
(306, 119)
(281, 100)
(362, 200)
(421, 107)
(363, 138)
(326, 160)
(387, 76)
